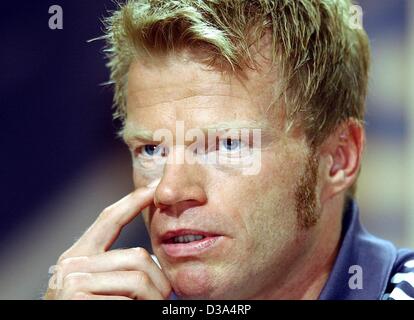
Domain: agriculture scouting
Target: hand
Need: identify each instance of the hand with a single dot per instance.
(88, 270)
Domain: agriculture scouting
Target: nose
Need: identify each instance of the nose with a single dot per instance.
(181, 183)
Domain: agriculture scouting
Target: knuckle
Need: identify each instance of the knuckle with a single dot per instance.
(62, 257)
(142, 279)
(65, 263)
(75, 280)
(72, 263)
(140, 254)
(106, 213)
(108, 217)
(79, 296)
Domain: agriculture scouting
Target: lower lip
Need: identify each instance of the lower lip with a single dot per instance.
(191, 248)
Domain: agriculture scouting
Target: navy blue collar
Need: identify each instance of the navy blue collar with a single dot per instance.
(375, 257)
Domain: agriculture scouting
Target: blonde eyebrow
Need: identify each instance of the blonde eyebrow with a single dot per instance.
(238, 124)
(132, 131)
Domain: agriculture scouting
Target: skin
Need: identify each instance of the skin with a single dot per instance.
(263, 251)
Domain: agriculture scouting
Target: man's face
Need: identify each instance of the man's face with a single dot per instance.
(250, 221)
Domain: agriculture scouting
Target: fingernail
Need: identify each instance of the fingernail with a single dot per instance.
(155, 259)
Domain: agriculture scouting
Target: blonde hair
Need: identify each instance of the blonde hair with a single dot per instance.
(323, 59)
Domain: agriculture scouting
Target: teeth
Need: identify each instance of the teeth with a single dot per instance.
(188, 238)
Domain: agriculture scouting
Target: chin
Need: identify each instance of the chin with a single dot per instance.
(193, 282)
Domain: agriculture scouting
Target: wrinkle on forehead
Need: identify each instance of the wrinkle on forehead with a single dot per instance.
(179, 90)
(181, 78)
(169, 100)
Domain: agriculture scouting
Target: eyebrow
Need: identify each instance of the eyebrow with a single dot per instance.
(238, 124)
(133, 131)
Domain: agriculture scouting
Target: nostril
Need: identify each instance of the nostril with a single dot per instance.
(159, 205)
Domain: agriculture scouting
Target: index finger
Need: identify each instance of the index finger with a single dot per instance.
(105, 230)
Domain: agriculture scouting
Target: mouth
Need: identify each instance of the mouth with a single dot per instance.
(185, 243)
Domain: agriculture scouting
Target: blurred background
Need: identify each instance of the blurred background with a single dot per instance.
(61, 163)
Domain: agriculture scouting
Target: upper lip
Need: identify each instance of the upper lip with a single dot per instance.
(182, 232)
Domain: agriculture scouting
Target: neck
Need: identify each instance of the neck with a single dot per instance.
(307, 277)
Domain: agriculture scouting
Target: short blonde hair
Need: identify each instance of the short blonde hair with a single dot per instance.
(322, 58)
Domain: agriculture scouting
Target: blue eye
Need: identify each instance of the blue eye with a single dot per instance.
(152, 150)
(231, 144)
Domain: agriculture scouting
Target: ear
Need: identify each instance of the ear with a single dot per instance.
(341, 155)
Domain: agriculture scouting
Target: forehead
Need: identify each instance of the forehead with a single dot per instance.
(180, 89)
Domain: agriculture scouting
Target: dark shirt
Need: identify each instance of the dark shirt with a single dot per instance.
(367, 267)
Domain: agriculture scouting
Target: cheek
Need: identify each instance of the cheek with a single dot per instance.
(137, 179)
(264, 204)
(146, 217)
(149, 178)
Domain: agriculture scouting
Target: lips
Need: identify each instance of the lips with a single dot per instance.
(187, 242)
(186, 238)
